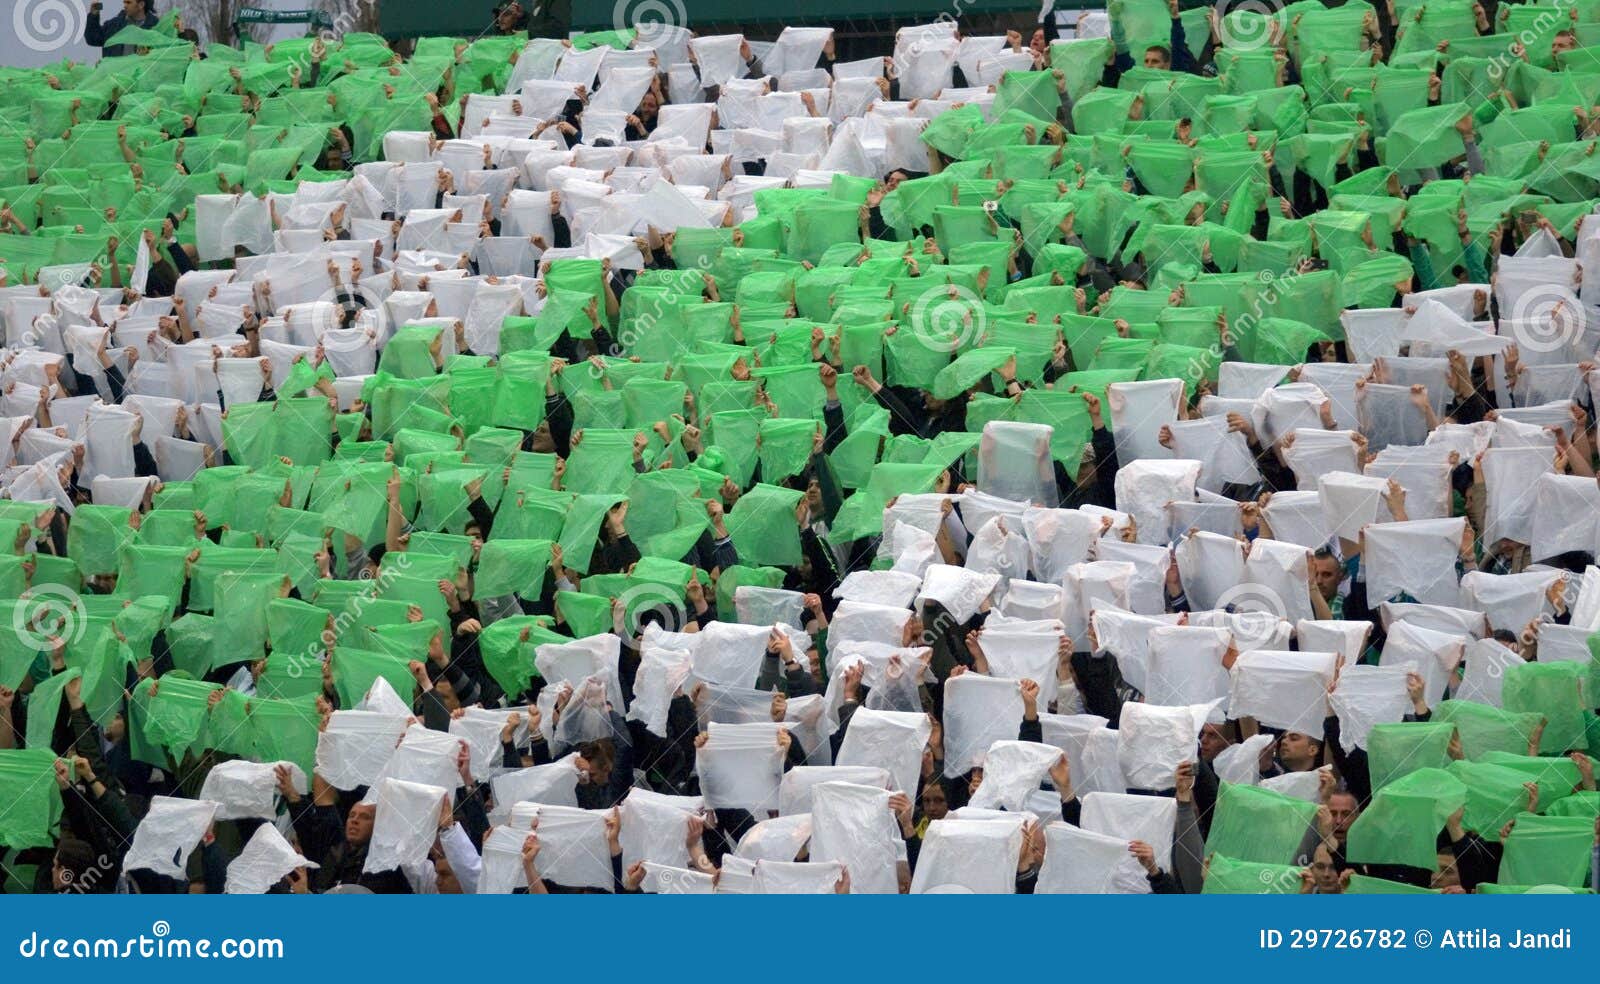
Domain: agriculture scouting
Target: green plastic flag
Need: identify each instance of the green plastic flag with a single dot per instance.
(1401, 825)
(354, 671)
(1554, 690)
(1227, 876)
(1393, 750)
(512, 567)
(1251, 823)
(177, 713)
(1548, 851)
(44, 707)
(32, 801)
(763, 526)
(1485, 729)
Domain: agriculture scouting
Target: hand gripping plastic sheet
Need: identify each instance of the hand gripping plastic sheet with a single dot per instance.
(1368, 695)
(356, 745)
(264, 862)
(892, 740)
(978, 855)
(405, 824)
(1153, 741)
(978, 711)
(1091, 749)
(1416, 557)
(780, 838)
(245, 790)
(1080, 862)
(168, 834)
(1146, 818)
(1283, 689)
(1012, 770)
(853, 825)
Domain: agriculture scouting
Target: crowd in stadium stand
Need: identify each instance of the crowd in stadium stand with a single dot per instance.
(1152, 456)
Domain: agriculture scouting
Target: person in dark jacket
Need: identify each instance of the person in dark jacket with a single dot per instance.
(139, 13)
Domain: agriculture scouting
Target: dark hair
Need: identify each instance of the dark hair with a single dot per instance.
(76, 857)
(1323, 553)
(601, 755)
(1504, 635)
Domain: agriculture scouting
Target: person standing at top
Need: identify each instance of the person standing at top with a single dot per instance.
(136, 12)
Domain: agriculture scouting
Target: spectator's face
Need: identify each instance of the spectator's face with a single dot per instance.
(648, 105)
(934, 805)
(1038, 42)
(1565, 41)
(1323, 871)
(1344, 809)
(1157, 58)
(1447, 876)
(543, 443)
(60, 876)
(1328, 577)
(1296, 750)
(133, 9)
(449, 884)
(1212, 741)
(358, 825)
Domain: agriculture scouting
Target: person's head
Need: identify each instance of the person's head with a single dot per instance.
(1158, 57)
(648, 105)
(1324, 872)
(1086, 469)
(136, 10)
(448, 883)
(74, 859)
(895, 177)
(190, 35)
(1563, 41)
(596, 758)
(508, 16)
(1325, 568)
(358, 824)
(1038, 42)
(1343, 808)
(934, 804)
(1213, 739)
(1299, 752)
(542, 442)
(1446, 875)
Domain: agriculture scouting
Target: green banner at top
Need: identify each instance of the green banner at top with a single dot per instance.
(256, 15)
